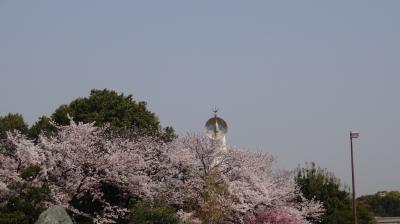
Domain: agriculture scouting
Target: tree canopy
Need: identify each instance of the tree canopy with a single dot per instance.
(109, 107)
(43, 125)
(324, 186)
(12, 121)
(382, 204)
(101, 176)
(102, 107)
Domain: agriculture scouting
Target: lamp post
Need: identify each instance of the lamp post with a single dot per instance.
(353, 135)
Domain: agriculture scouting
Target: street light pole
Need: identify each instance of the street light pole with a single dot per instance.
(353, 135)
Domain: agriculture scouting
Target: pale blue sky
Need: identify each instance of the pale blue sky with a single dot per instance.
(290, 77)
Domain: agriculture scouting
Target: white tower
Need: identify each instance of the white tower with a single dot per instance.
(216, 129)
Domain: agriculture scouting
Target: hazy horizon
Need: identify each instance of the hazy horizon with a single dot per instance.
(290, 78)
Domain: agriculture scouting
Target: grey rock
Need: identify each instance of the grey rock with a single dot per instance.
(54, 215)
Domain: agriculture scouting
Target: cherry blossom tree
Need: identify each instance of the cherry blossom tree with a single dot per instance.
(83, 157)
(190, 173)
(17, 154)
(251, 181)
(274, 216)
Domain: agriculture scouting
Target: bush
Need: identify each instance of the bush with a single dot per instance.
(27, 201)
(157, 213)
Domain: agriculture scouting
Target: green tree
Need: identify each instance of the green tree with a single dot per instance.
(214, 207)
(322, 185)
(364, 215)
(109, 107)
(28, 199)
(12, 122)
(43, 126)
(382, 203)
(156, 213)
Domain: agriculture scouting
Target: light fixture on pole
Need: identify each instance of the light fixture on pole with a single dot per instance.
(353, 135)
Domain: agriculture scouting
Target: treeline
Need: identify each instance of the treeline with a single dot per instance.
(383, 204)
(126, 116)
(103, 107)
(106, 159)
(322, 185)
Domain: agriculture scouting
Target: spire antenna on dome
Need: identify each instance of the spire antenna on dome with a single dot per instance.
(215, 110)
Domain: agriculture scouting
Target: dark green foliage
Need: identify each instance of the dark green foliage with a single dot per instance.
(27, 201)
(214, 206)
(323, 186)
(42, 126)
(102, 107)
(12, 122)
(157, 213)
(30, 173)
(125, 116)
(107, 106)
(111, 194)
(383, 204)
(85, 203)
(168, 134)
(116, 196)
(7, 217)
(364, 215)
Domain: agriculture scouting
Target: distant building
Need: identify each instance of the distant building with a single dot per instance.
(382, 193)
(388, 220)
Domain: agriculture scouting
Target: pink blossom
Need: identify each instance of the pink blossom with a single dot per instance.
(274, 216)
(82, 157)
